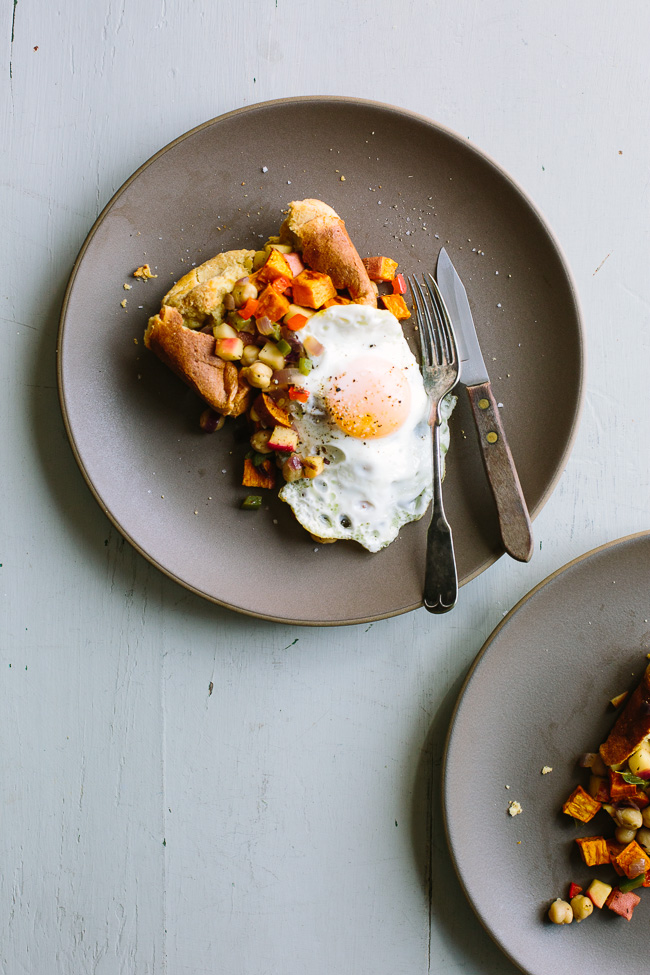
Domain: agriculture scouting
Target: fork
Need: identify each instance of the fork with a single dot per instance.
(440, 371)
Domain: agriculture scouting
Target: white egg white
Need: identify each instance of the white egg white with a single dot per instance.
(369, 488)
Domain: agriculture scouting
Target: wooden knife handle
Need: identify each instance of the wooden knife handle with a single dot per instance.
(514, 520)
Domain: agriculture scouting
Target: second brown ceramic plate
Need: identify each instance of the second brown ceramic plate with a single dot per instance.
(538, 696)
(405, 186)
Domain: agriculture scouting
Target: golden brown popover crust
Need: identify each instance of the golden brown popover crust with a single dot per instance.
(632, 726)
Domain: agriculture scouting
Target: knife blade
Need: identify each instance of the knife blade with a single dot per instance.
(514, 520)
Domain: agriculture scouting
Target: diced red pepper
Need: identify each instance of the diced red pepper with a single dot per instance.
(297, 322)
(298, 393)
(399, 285)
(248, 309)
(574, 889)
(280, 285)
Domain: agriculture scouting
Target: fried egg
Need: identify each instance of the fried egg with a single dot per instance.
(367, 417)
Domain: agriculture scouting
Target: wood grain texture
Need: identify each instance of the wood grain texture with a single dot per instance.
(184, 790)
(514, 520)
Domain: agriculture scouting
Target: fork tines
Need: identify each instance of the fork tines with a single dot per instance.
(437, 339)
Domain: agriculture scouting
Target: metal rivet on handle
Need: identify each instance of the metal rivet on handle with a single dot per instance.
(492, 437)
(483, 404)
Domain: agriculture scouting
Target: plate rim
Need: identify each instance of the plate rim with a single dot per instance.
(613, 543)
(324, 100)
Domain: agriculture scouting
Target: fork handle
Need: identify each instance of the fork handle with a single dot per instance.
(514, 520)
(440, 578)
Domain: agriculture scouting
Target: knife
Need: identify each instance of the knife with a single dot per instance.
(514, 520)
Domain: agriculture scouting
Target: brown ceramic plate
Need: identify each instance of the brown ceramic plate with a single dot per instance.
(538, 695)
(405, 186)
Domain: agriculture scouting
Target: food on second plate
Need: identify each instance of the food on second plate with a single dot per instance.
(619, 786)
(291, 336)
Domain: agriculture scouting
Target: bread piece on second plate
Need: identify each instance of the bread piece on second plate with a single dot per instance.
(317, 230)
(632, 726)
(190, 354)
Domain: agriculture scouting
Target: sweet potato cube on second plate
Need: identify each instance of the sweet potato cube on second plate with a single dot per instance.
(380, 268)
(275, 266)
(619, 788)
(262, 476)
(396, 305)
(622, 904)
(633, 860)
(581, 806)
(614, 849)
(271, 304)
(313, 289)
(594, 850)
(270, 412)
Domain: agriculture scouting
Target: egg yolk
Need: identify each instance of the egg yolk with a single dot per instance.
(370, 399)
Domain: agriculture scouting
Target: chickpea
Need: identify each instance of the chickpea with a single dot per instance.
(645, 815)
(595, 783)
(313, 466)
(640, 760)
(211, 421)
(258, 375)
(631, 818)
(249, 355)
(242, 291)
(581, 906)
(291, 472)
(560, 912)
(624, 835)
(259, 442)
(643, 838)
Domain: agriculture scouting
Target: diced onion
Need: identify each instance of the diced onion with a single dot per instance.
(312, 346)
(265, 325)
(290, 377)
(587, 759)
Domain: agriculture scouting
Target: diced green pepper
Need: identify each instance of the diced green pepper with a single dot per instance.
(235, 319)
(252, 502)
(284, 347)
(629, 885)
(304, 365)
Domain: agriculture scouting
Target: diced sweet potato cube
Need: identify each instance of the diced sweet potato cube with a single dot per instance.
(614, 849)
(338, 300)
(632, 860)
(283, 439)
(380, 268)
(281, 285)
(619, 788)
(395, 305)
(275, 266)
(622, 904)
(594, 850)
(271, 304)
(598, 892)
(581, 806)
(313, 289)
(262, 476)
(270, 412)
